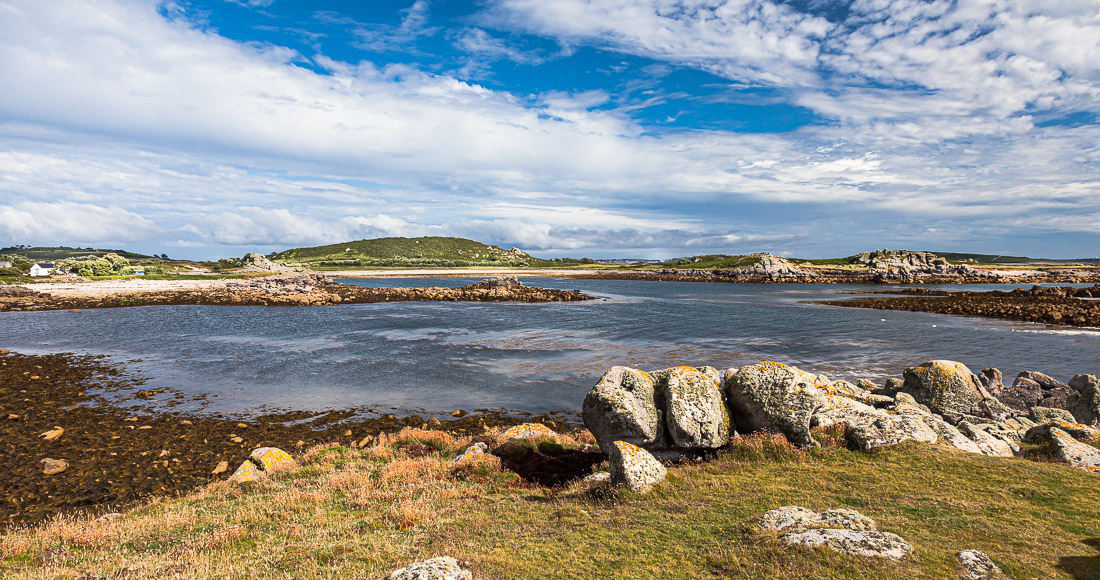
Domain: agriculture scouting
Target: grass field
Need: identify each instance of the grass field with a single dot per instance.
(361, 513)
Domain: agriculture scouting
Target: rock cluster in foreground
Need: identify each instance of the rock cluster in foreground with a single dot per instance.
(688, 410)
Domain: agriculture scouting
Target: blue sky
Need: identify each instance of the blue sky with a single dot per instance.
(621, 128)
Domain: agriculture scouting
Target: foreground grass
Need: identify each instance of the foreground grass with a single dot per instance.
(360, 513)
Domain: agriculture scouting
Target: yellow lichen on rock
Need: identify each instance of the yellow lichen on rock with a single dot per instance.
(246, 472)
(529, 431)
(271, 458)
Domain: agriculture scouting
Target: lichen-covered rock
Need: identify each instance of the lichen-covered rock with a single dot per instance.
(248, 471)
(621, 407)
(951, 435)
(1040, 434)
(598, 477)
(799, 518)
(988, 444)
(1023, 394)
(947, 387)
(791, 516)
(887, 429)
(1084, 403)
(774, 396)
(991, 380)
(634, 467)
(858, 543)
(529, 431)
(905, 403)
(977, 566)
(442, 568)
(1046, 414)
(271, 459)
(844, 518)
(695, 410)
(472, 451)
(1074, 453)
(1054, 393)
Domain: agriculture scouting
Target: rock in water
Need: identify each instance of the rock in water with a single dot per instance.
(634, 467)
(54, 466)
(621, 407)
(53, 434)
(948, 387)
(442, 568)
(695, 412)
(873, 544)
(1073, 452)
(771, 395)
(978, 566)
(1084, 403)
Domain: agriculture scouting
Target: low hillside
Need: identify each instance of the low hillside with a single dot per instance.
(54, 253)
(425, 251)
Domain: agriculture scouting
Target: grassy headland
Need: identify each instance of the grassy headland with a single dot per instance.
(360, 513)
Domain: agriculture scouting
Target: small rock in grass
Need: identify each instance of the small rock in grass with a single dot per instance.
(858, 543)
(635, 467)
(248, 471)
(601, 477)
(529, 431)
(798, 517)
(471, 451)
(442, 568)
(108, 517)
(978, 566)
(54, 466)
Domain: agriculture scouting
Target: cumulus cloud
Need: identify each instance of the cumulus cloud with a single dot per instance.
(204, 141)
(75, 223)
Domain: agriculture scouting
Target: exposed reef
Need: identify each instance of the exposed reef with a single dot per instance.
(1064, 305)
(297, 290)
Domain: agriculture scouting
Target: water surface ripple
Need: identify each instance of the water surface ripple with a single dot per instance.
(436, 357)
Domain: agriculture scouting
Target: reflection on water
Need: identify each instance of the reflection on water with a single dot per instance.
(436, 357)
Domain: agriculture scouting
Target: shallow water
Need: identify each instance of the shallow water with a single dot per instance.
(433, 358)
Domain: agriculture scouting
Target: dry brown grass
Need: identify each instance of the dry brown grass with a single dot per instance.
(360, 513)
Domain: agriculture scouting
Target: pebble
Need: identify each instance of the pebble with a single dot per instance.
(222, 467)
(54, 466)
(53, 434)
(13, 417)
(145, 427)
(459, 413)
(236, 439)
(186, 422)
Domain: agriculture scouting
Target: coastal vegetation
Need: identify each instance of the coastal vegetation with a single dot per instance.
(406, 252)
(362, 512)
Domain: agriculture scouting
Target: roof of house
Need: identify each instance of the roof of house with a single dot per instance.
(45, 265)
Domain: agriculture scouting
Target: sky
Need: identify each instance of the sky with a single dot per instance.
(612, 128)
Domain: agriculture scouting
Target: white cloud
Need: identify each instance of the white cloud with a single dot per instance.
(75, 223)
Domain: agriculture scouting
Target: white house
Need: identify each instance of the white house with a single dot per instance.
(5, 264)
(44, 269)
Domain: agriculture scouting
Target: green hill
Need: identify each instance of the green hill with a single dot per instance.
(53, 253)
(425, 251)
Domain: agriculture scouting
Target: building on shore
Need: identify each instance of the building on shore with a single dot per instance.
(42, 269)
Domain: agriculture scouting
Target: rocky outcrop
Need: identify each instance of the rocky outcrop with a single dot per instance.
(904, 265)
(843, 530)
(634, 467)
(774, 396)
(1046, 414)
(442, 568)
(988, 444)
(530, 431)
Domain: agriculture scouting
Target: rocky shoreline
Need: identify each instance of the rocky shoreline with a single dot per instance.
(292, 290)
(1062, 305)
(73, 410)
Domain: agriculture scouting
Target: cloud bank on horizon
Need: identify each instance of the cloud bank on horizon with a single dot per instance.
(644, 128)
